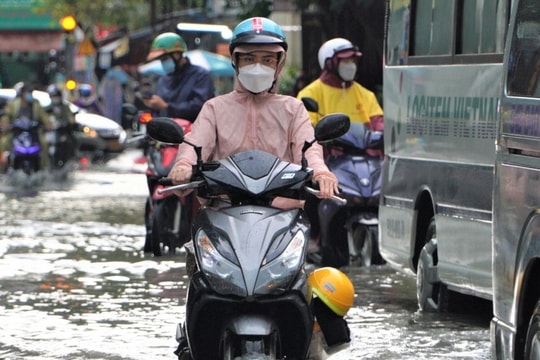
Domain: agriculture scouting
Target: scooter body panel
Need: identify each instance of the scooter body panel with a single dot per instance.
(359, 176)
(250, 237)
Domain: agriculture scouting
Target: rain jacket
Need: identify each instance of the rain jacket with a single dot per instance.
(185, 91)
(240, 120)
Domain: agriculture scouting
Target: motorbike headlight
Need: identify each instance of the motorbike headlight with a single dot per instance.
(276, 275)
(224, 276)
(89, 131)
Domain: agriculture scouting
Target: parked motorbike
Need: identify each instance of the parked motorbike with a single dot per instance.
(167, 216)
(250, 297)
(349, 233)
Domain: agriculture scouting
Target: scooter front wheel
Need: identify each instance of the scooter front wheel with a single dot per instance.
(247, 349)
(362, 246)
(166, 219)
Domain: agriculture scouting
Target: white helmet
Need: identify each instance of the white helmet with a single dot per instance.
(343, 48)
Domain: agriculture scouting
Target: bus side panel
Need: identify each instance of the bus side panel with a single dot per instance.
(516, 244)
(440, 124)
(465, 266)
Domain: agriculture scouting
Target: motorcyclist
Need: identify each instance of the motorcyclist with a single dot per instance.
(244, 118)
(253, 115)
(61, 117)
(181, 90)
(24, 104)
(184, 87)
(337, 91)
(88, 100)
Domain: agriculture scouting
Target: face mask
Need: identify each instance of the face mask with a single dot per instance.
(168, 65)
(56, 100)
(347, 71)
(157, 67)
(151, 68)
(28, 97)
(256, 78)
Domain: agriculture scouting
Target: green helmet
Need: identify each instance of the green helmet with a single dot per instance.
(166, 43)
(257, 30)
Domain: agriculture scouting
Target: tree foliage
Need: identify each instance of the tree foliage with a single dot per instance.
(129, 14)
(254, 8)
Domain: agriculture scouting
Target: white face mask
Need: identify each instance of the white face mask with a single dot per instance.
(347, 71)
(256, 78)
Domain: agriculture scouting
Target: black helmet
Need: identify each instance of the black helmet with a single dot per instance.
(257, 30)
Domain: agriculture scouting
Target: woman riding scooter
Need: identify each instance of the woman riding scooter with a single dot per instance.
(254, 116)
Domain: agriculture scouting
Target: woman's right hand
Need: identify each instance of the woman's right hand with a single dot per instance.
(181, 174)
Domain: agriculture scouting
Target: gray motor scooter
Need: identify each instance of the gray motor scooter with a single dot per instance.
(249, 294)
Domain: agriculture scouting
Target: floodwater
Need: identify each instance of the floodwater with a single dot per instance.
(74, 283)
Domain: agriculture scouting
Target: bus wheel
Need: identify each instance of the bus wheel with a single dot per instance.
(430, 292)
(532, 345)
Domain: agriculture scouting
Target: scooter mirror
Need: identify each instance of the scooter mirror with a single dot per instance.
(310, 104)
(332, 126)
(165, 130)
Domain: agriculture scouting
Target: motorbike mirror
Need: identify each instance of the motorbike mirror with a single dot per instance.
(129, 109)
(165, 130)
(332, 126)
(310, 104)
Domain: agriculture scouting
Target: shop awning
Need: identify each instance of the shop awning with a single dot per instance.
(30, 41)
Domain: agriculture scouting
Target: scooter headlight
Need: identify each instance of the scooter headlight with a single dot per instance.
(276, 275)
(224, 276)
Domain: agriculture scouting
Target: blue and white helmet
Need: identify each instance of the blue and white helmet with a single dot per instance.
(257, 30)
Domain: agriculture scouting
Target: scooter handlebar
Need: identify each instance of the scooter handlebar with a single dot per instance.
(165, 181)
(337, 199)
(190, 185)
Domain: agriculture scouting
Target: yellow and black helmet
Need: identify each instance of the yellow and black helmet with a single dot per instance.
(333, 287)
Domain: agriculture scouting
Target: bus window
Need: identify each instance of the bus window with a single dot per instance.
(398, 33)
(445, 31)
(433, 27)
(524, 67)
(480, 31)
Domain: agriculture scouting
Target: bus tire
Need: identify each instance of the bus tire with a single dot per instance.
(430, 292)
(532, 343)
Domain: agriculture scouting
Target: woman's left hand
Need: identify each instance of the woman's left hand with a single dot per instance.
(328, 184)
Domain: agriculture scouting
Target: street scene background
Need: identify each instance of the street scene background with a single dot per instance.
(75, 283)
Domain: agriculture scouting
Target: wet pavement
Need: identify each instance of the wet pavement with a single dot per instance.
(74, 283)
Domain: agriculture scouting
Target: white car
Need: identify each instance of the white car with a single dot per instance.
(99, 136)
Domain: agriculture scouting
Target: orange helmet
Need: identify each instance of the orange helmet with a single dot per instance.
(333, 287)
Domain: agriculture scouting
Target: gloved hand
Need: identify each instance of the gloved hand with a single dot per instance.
(181, 174)
(328, 184)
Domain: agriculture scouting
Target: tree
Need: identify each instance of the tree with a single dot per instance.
(130, 14)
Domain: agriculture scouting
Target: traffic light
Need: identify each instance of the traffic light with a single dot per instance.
(71, 84)
(68, 23)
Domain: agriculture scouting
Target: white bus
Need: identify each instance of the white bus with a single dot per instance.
(515, 329)
(441, 87)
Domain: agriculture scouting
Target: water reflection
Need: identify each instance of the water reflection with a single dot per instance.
(75, 284)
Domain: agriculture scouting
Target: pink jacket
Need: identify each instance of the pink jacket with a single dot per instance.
(239, 120)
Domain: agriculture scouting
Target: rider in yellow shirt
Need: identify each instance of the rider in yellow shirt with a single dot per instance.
(336, 90)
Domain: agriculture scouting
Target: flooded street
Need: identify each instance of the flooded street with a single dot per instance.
(74, 283)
